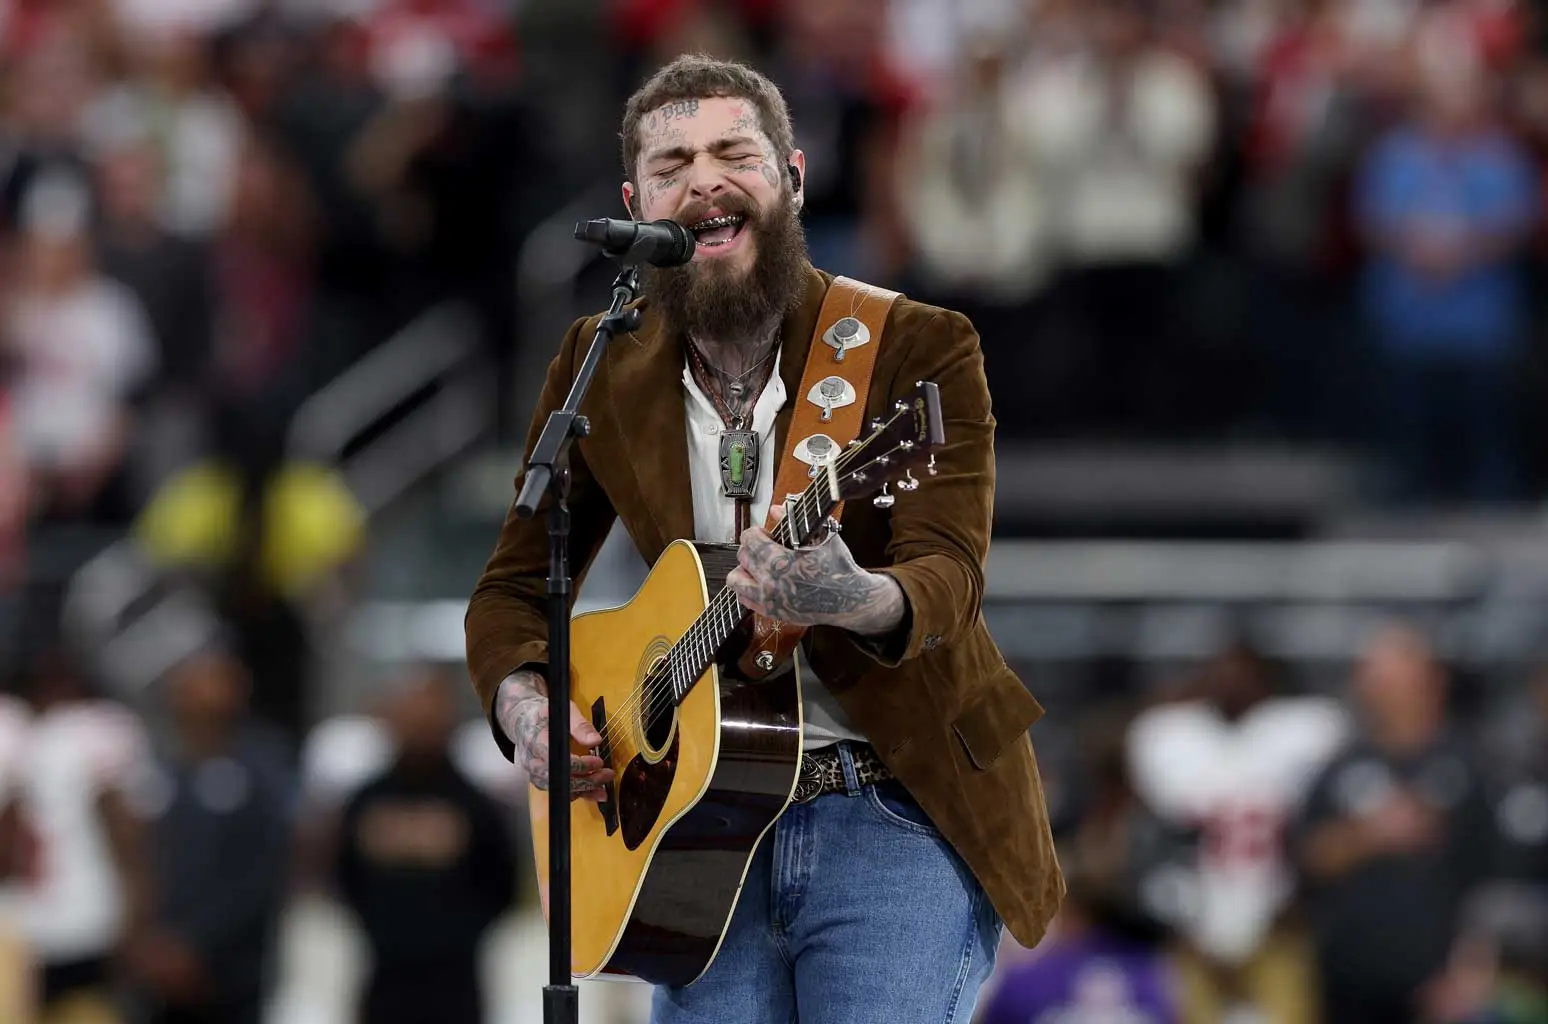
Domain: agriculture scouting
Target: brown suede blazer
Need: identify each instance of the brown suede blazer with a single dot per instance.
(948, 716)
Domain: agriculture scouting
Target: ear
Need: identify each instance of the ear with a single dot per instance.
(628, 198)
(798, 161)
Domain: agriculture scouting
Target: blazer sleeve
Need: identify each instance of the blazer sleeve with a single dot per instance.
(506, 625)
(940, 533)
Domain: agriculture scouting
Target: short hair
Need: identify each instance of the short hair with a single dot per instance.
(697, 76)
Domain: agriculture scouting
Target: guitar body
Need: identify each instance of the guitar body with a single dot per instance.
(656, 874)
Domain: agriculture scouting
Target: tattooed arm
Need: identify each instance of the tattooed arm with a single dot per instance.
(521, 708)
(815, 586)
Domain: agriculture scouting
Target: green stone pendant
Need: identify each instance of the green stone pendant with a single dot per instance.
(739, 463)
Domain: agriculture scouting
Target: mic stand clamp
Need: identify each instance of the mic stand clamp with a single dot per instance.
(548, 472)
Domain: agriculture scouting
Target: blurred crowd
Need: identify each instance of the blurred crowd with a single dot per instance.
(1242, 848)
(1209, 221)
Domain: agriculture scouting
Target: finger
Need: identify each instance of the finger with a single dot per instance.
(581, 729)
(777, 512)
(740, 580)
(755, 542)
(585, 764)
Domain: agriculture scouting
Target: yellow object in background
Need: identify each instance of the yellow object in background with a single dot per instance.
(312, 524)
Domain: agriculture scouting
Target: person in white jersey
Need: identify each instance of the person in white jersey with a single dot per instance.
(76, 871)
(1232, 764)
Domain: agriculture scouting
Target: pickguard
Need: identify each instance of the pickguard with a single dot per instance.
(643, 787)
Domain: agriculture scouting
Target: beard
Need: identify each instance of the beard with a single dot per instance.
(711, 300)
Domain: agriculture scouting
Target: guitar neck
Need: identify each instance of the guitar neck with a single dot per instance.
(700, 646)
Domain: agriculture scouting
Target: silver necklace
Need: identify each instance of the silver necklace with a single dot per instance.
(735, 384)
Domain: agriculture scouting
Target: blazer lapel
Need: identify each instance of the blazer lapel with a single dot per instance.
(645, 400)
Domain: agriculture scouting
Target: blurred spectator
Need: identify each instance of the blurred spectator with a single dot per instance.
(196, 130)
(979, 214)
(169, 274)
(419, 843)
(1394, 836)
(1234, 763)
(259, 368)
(82, 349)
(1125, 126)
(219, 802)
(1090, 969)
(76, 871)
(1446, 201)
(51, 79)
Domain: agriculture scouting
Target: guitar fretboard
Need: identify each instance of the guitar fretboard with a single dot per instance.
(698, 648)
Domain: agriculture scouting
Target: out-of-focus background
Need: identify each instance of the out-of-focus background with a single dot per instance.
(1259, 284)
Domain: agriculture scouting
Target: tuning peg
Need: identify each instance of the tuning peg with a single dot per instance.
(908, 483)
(931, 466)
(883, 500)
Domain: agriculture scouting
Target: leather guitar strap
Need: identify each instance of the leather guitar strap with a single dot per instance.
(829, 413)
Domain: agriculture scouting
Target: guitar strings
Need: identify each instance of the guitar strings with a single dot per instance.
(659, 678)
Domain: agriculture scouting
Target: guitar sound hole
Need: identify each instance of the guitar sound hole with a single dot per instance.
(659, 714)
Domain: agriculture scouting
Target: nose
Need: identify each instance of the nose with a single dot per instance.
(705, 179)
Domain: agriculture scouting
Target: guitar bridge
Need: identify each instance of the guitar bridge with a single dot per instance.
(604, 750)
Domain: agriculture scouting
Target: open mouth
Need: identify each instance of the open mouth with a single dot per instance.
(717, 231)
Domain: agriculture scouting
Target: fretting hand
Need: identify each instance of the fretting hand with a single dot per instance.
(820, 585)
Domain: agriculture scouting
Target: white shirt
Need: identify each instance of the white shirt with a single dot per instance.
(714, 521)
(72, 905)
(81, 354)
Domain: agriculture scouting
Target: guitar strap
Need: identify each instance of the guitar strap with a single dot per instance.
(829, 413)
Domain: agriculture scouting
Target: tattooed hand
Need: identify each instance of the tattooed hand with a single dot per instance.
(521, 708)
(814, 586)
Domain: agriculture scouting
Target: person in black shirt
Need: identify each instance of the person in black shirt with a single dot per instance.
(426, 863)
(219, 800)
(1394, 835)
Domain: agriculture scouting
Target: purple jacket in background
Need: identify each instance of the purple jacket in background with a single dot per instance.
(1091, 979)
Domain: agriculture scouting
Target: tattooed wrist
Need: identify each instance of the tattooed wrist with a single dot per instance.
(516, 692)
(881, 610)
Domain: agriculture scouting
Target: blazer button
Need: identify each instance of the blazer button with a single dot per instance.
(931, 641)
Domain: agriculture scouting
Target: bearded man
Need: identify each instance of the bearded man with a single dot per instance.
(881, 896)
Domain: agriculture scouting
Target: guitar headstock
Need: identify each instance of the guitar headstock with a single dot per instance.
(895, 445)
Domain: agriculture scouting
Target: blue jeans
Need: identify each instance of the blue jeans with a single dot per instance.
(854, 911)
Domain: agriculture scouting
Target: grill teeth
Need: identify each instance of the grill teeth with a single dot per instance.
(717, 222)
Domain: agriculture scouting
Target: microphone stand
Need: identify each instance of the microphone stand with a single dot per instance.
(548, 471)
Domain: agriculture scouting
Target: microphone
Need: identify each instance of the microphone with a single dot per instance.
(661, 243)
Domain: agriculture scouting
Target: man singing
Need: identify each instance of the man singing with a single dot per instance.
(879, 894)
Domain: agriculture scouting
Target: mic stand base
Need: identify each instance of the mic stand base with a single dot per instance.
(561, 1004)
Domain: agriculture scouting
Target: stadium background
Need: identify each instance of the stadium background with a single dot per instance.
(1259, 288)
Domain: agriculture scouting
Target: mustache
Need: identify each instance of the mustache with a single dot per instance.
(700, 210)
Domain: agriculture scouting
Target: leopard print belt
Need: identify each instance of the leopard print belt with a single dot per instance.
(822, 772)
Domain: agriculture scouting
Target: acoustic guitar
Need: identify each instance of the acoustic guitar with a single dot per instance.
(704, 759)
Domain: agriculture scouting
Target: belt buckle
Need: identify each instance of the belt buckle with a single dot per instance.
(809, 783)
